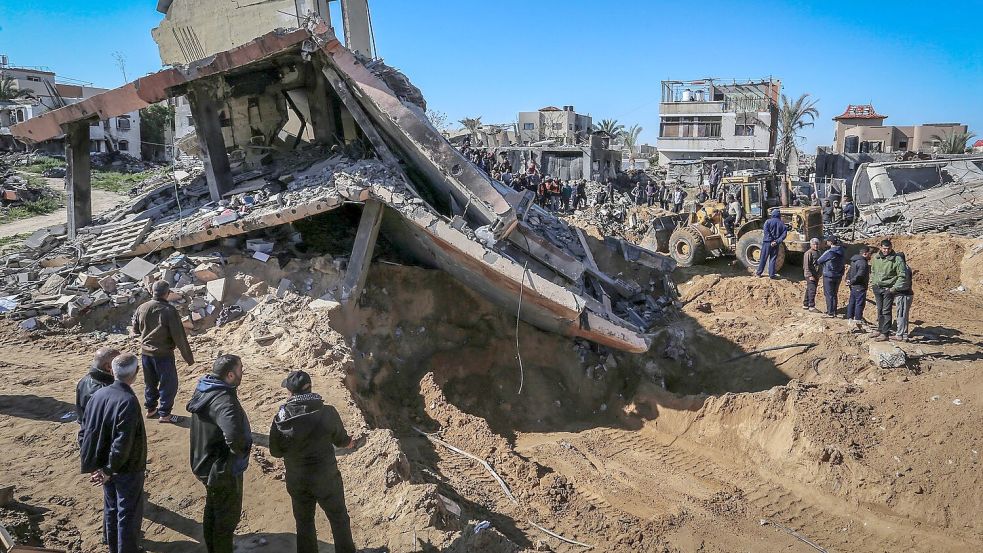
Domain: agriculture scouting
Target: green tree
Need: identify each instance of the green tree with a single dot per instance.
(9, 90)
(630, 137)
(610, 126)
(154, 121)
(955, 142)
(792, 118)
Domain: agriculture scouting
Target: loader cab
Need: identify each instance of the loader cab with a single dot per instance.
(753, 199)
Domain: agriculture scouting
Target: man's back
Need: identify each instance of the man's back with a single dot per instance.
(220, 437)
(91, 383)
(114, 439)
(160, 329)
(305, 433)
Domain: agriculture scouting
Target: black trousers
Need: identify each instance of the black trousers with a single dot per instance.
(123, 512)
(810, 299)
(831, 287)
(884, 299)
(223, 509)
(320, 487)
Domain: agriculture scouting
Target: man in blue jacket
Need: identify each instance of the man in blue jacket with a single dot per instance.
(114, 453)
(832, 262)
(857, 278)
(220, 444)
(774, 235)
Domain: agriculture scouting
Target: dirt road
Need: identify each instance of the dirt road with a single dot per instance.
(101, 201)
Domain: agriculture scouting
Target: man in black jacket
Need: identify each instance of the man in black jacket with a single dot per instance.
(114, 453)
(857, 278)
(99, 376)
(220, 444)
(305, 433)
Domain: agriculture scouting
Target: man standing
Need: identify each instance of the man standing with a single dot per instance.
(220, 444)
(580, 195)
(100, 375)
(857, 278)
(678, 197)
(114, 453)
(774, 234)
(810, 270)
(902, 300)
(886, 273)
(849, 213)
(827, 214)
(832, 262)
(715, 177)
(305, 433)
(159, 327)
(650, 192)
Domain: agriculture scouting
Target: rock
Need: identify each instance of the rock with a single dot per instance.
(887, 355)
(216, 289)
(207, 272)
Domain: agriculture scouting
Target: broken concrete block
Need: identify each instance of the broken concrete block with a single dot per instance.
(247, 304)
(887, 355)
(283, 287)
(261, 256)
(52, 286)
(216, 289)
(227, 216)
(108, 284)
(264, 246)
(38, 240)
(100, 298)
(322, 304)
(89, 281)
(138, 268)
(29, 324)
(207, 272)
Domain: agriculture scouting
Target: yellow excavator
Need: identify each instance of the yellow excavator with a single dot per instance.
(693, 237)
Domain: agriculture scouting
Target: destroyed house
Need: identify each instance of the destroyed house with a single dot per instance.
(359, 134)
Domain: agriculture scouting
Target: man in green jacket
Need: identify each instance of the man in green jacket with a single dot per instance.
(887, 272)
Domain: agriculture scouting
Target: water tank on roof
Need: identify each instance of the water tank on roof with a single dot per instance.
(699, 96)
(687, 95)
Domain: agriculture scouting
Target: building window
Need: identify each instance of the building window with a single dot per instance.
(123, 122)
(903, 145)
(191, 121)
(871, 147)
(528, 126)
(743, 130)
(124, 146)
(34, 79)
(690, 127)
(20, 116)
(851, 145)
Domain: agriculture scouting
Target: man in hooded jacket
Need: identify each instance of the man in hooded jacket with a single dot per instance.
(857, 278)
(304, 433)
(832, 262)
(220, 444)
(775, 231)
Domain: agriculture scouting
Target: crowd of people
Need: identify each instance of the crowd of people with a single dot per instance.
(113, 438)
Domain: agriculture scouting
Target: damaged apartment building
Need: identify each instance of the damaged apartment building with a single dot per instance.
(294, 124)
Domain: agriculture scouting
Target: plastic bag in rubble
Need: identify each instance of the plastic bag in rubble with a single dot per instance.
(229, 313)
(485, 235)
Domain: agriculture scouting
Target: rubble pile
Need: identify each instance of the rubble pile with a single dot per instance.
(15, 190)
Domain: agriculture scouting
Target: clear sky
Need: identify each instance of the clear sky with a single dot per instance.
(917, 62)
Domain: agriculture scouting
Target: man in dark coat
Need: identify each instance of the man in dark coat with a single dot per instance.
(833, 263)
(159, 327)
(99, 376)
(810, 271)
(220, 444)
(772, 239)
(857, 278)
(305, 433)
(114, 453)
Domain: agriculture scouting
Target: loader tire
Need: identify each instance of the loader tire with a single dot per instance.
(749, 251)
(686, 247)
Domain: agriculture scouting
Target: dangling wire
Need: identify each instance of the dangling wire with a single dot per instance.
(518, 354)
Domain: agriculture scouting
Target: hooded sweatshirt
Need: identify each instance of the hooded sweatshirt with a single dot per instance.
(775, 230)
(220, 433)
(832, 262)
(304, 433)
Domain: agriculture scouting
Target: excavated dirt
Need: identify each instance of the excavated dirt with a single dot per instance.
(687, 448)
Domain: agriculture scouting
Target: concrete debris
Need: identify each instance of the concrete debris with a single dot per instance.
(887, 355)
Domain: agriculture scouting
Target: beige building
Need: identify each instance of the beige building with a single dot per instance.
(564, 126)
(860, 129)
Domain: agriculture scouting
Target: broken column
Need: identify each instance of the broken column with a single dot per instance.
(79, 176)
(205, 107)
(358, 264)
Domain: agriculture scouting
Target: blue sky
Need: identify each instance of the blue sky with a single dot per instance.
(915, 63)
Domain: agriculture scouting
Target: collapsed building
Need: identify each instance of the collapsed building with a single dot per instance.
(910, 197)
(363, 138)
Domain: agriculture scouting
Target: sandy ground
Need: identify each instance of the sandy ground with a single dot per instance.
(101, 201)
(797, 450)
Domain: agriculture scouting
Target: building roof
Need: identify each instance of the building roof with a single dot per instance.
(860, 111)
(550, 108)
(978, 144)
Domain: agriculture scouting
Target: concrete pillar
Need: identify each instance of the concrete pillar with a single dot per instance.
(358, 32)
(79, 177)
(323, 109)
(358, 263)
(205, 108)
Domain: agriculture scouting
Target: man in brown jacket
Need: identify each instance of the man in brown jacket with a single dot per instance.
(810, 270)
(159, 327)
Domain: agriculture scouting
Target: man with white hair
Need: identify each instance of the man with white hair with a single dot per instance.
(114, 454)
(99, 376)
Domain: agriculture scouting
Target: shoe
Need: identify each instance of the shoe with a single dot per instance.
(806, 307)
(152, 413)
(813, 310)
(845, 318)
(829, 316)
(775, 277)
(171, 419)
(881, 338)
(897, 338)
(875, 334)
(759, 275)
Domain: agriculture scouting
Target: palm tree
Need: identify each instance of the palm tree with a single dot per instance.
(792, 118)
(954, 142)
(472, 124)
(9, 90)
(610, 126)
(630, 138)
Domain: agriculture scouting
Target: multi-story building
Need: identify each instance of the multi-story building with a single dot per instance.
(860, 129)
(716, 118)
(565, 126)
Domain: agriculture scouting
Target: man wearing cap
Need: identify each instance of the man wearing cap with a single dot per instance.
(113, 452)
(773, 236)
(220, 444)
(304, 433)
(159, 327)
(833, 263)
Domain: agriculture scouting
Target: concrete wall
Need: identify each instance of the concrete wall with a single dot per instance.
(913, 138)
(729, 143)
(571, 125)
